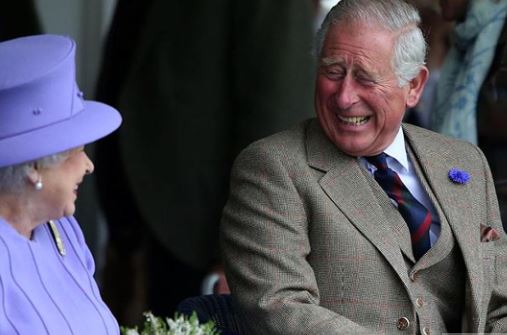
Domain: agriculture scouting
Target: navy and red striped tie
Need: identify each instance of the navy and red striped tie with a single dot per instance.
(417, 217)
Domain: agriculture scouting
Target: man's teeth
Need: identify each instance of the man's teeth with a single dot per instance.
(355, 120)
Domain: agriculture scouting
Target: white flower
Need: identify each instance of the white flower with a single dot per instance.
(180, 325)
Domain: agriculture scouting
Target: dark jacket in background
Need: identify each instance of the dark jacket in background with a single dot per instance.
(199, 80)
(18, 18)
(492, 120)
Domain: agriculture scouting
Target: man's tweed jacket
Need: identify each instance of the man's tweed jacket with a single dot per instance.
(309, 249)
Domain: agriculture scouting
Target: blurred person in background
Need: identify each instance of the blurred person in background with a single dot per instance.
(478, 27)
(472, 92)
(196, 81)
(46, 268)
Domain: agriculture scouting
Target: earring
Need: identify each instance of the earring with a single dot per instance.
(38, 184)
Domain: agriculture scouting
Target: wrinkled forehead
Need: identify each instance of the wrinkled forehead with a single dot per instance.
(367, 47)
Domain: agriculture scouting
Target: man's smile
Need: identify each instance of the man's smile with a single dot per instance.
(354, 120)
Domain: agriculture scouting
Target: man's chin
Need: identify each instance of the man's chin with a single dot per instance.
(352, 147)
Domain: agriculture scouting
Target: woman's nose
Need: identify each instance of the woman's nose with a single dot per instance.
(89, 165)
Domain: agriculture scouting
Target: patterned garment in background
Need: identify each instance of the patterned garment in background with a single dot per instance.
(465, 68)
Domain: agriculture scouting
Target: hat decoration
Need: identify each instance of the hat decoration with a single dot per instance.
(42, 110)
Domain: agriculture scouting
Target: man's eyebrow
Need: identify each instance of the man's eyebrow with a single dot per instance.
(326, 61)
(359, 67)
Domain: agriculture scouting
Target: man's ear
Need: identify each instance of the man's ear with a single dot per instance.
(416, 87)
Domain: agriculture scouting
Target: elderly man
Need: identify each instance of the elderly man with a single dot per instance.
(357, 223)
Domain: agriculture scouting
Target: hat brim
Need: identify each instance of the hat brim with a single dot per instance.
(95, 121)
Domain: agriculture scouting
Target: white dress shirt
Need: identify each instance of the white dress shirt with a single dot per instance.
(399, 161)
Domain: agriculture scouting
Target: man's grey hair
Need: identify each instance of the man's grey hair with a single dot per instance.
(13, 178)
(394, 15)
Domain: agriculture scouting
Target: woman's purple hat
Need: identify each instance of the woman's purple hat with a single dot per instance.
(42, 110)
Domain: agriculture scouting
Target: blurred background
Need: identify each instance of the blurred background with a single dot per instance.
(197, 81)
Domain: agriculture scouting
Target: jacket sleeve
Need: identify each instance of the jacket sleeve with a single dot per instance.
(264, 236)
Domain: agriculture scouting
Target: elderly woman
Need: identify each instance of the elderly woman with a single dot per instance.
(46, 269)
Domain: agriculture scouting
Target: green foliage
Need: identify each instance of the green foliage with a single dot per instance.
(179, 325)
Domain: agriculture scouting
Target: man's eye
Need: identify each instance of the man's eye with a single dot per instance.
(334, 73)
(365, 80)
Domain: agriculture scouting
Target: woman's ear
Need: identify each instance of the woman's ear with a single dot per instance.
(416, 87)
(33, 175)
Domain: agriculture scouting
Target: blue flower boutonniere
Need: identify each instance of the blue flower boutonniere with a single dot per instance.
(458, 176)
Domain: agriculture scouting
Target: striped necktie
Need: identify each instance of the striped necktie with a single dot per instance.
(417, 217)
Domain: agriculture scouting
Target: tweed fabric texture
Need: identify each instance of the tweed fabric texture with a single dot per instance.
(309, 249)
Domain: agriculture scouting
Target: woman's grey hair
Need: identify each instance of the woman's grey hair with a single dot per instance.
(394, 15)
(13, 178)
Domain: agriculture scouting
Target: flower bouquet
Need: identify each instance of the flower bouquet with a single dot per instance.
(179, 325)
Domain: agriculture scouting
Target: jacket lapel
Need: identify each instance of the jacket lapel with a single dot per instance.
(347, 186)
(445, 241)
(453, 201)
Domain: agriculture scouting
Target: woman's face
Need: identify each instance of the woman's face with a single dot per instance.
(61, 183)
(453, 9)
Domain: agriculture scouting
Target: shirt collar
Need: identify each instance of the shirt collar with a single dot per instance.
(398, 151)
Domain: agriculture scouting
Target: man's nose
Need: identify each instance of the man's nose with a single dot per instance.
(346, 93)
